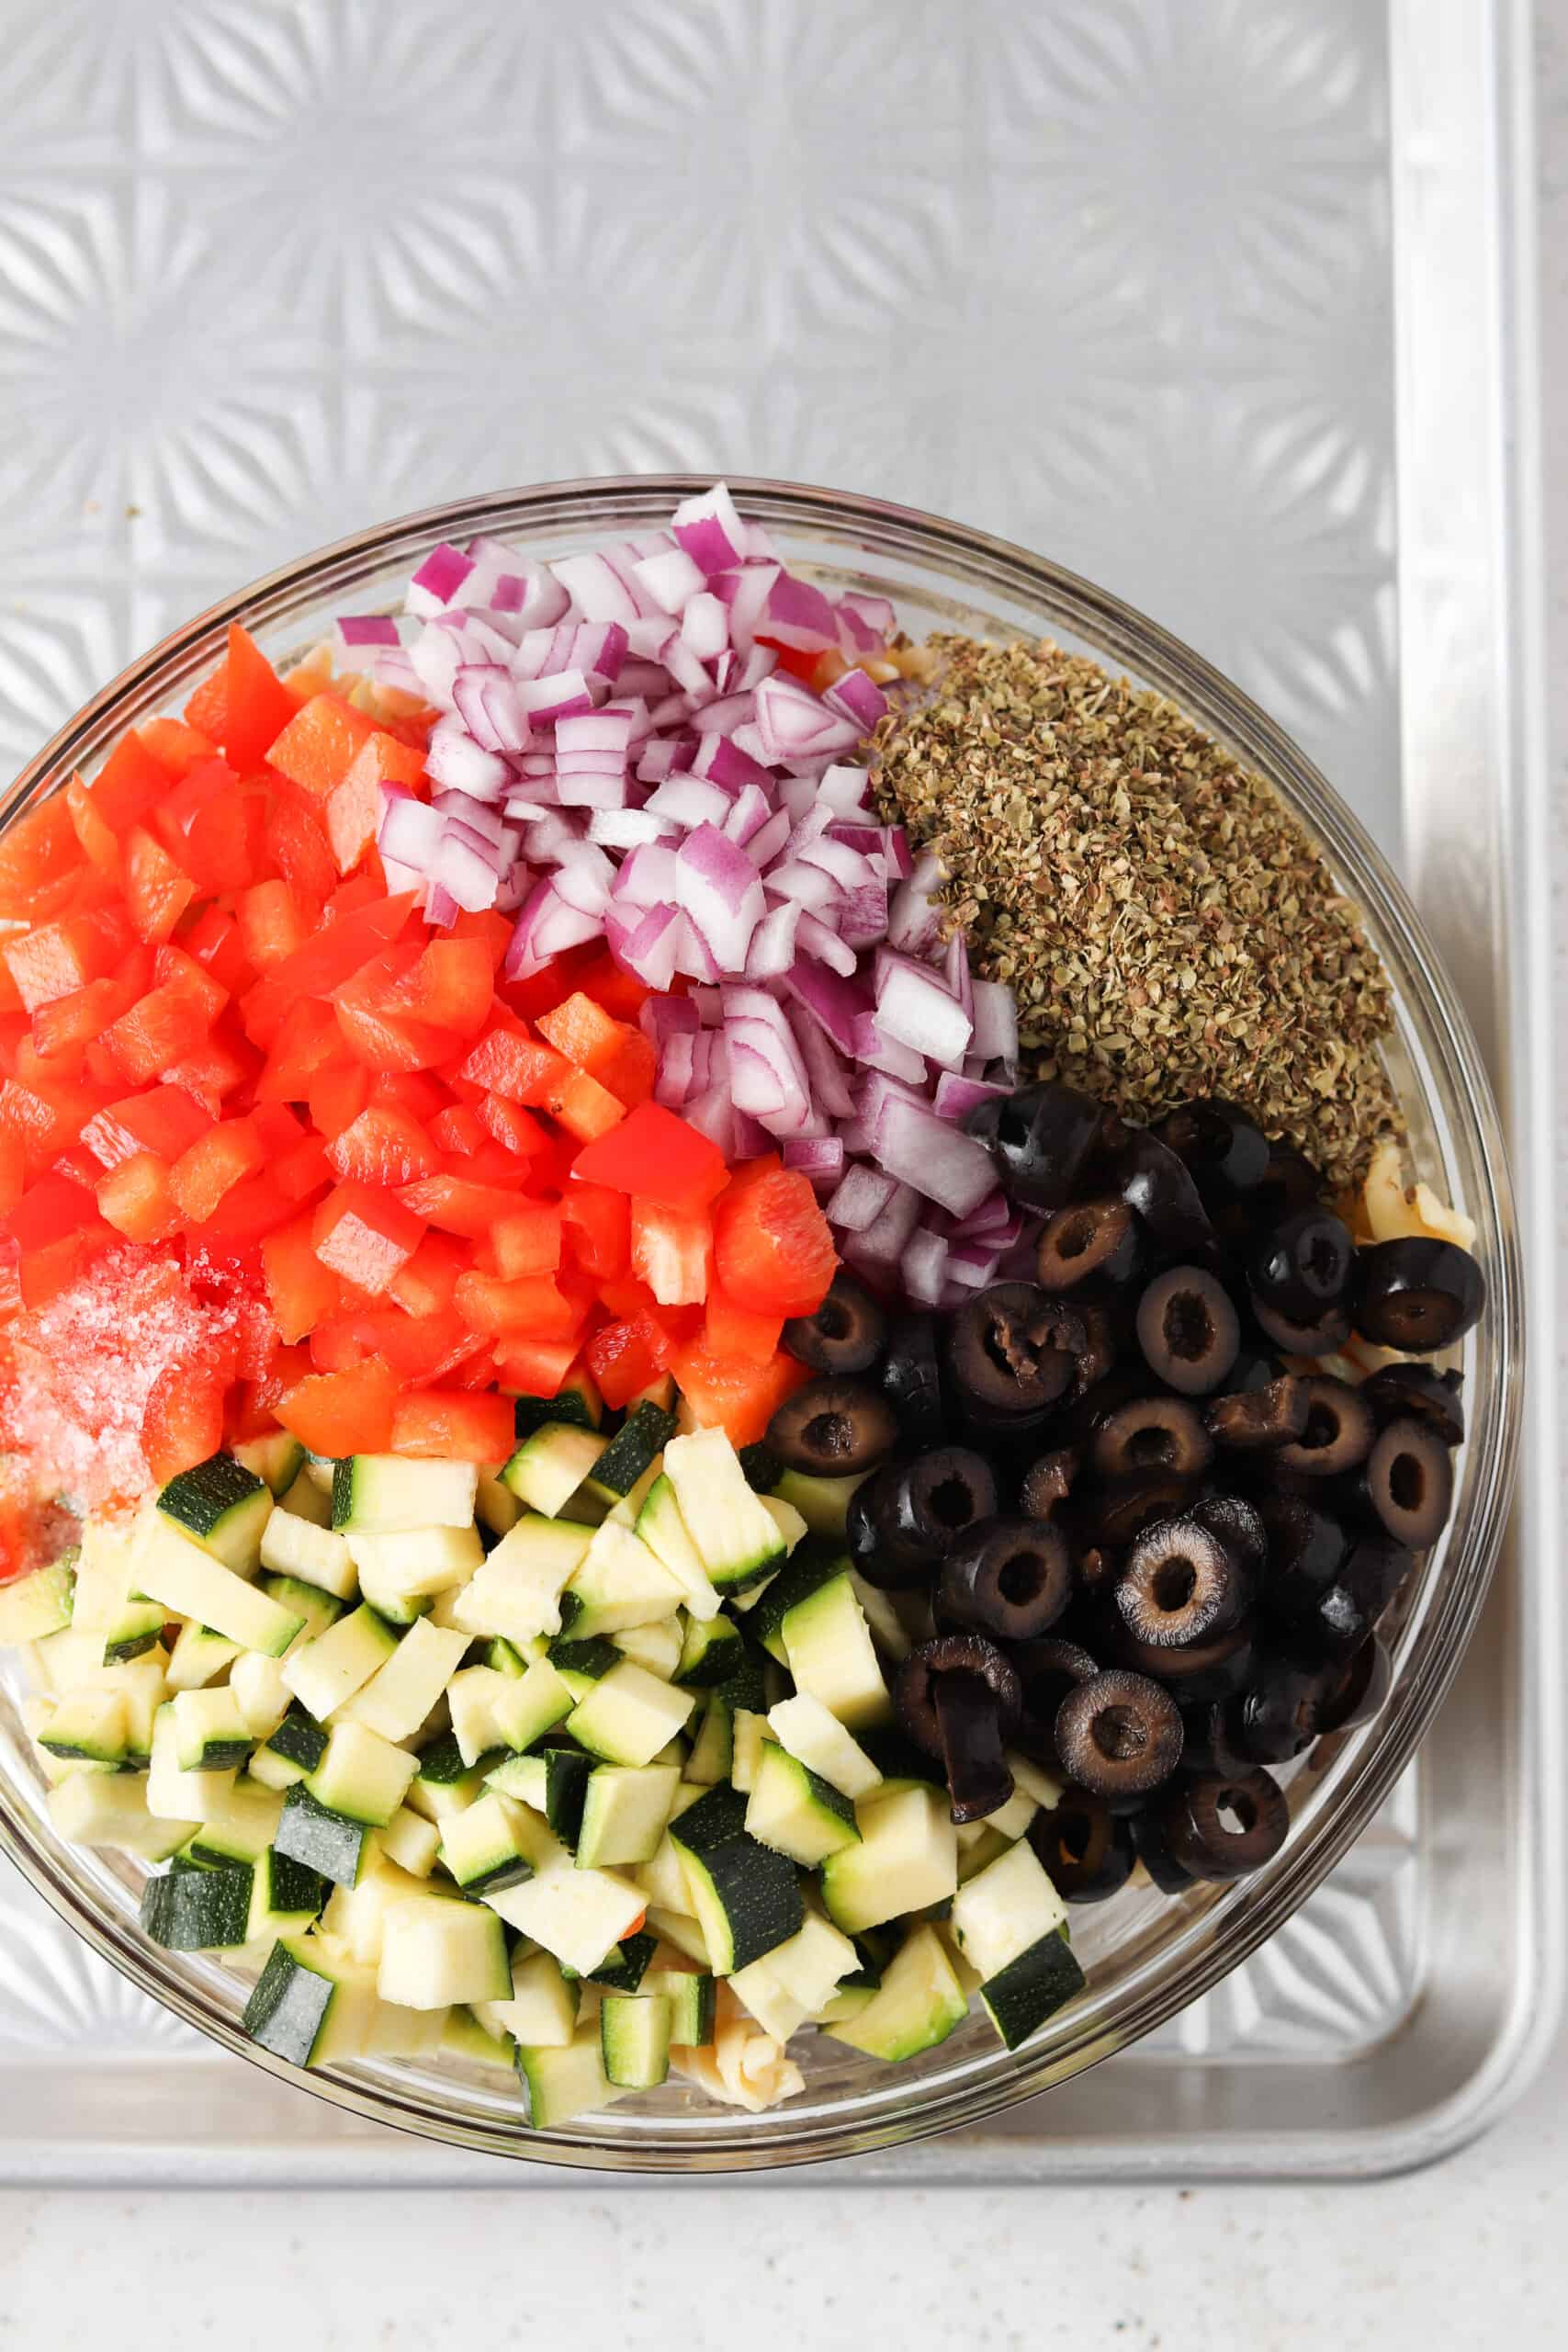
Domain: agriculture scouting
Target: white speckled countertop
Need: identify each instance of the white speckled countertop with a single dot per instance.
(1473, 2254)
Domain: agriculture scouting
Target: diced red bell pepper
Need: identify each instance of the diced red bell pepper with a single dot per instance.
(630, 1073)
(671, 1252)
(306, 1042)
(157, 892)
(534, 1367)
(599, 975)
(253, 1208)
(272, 925)
(40, 858)
(449, 987)
(528, 1242)
(732, 1331)
(365, 1236)
(385, 1041)
(99, 841)
(257, 705)
(297, 845)
(585, 1108)
(166, 1025)
(507, 1061)
(173, 968)
(339, 1413)
(177, 748)
(55, 959)
(13, 1170)
(127, 785)
(533, 1307)
(458, 1129)
(659, 1158)
(212, 1167)
(164, 1124)
(583, 1031)
(77, 1020)
(626, 1356)
(335, 952)
(300, 1290)
(486, 923)
(337, 1095)
(214, 942)
(319, 745)
(134, 1198)
(214, 1071)
(354, 809)
(182, 1421)
(733, 1394)
(44, 1115)
(596, 1225)
(303, 1169)
(457, 1204)
(772, 1246)
(383, 1146)
(425, 1286)
(512, 1127)
(449, 1425)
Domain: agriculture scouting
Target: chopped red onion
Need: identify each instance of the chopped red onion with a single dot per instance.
(860, 1199)
(673, 580)
(595, 588)
(437, 580)
(710, 530)
(957, 1097)
(914, 1008)
(941, 1161)
(922, 1265)
(857, 698)
(718, 888)
(820, 1156)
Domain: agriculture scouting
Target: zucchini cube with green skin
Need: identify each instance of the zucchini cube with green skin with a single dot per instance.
(199, 1657)
(660, 1526)
(211, 1734)
(401, 1694)
(542, 2011)
(1010, 1924)
(552, 1783)
(550, 1466)
(495, 1506)
(386, 1494)
(744, 1899)
(1030, 1989)
(692, 1994)
(829, 1649)
(657, 1648)
(173, 1792)
(804, 1726)
(239, 1826)
(110, 1809)
(713, 1750)
(488, 1846)
(221, 1506)
(797, 1813)
(583, 1664)
(632, 1452)
(293, 1547)
(38, 1604)
(275, 1460)
(749, 1737)
(736, 1540)
(435, 1952)
(361, 1775)
(325, 1673)
(907, 1860)
(89, 1727)
(634, 2039)
(286, 1897)
(299, 1738)
(444, 1785)
(172, 1569)
(618, 1584)
(629, 1716)
(355, 1916)
(799, 1979)
(823, 1503)
(306, 1500)
(198, 1910)
(561, 2083)
(578, 1915)
(317, 1607)
(411, 1841)
(260, 1692)
(313, 2004)
(323, 1841)
(918, 2004)
(816, 1563)
(463, 2036)
(710, 1652)
(474, 1696)
(516, 1593)
(625, 1812)
(623, 1967)
(576, 1401)
(135, 1627)
(414, 1565)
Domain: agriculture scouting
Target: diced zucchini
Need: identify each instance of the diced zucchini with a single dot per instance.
(979, 1847)
(312, 2003)
(292, 1547)
(275, 1771)
(918, 2004)
(710, 1652)
(908, 1858)
(745, 1898)
(544, 1698)
(199, 1656)
(474, 1696)
(89, 1727)
(444, 1785)
(553, 1781)
(561, 2083)
(321, 1839)
(495, 1506)
(541, 2011)
(221, 1506)
(660, 1526)
(361, 1775)
(749, 1737)
(691, 1992)
(176, 1794)
(618, 1583)
(299, 1738)
(517, 1591)
(488, 1845)
(260, 1692)
(434, 1951)
(1022, 1995)
(198, 1910)
(356, 1915)
(880, 1610)
(411, 1842)
(823, 1503)
(131, 1630)
(110, 1809)
(632, 1452)
(311, 1603)
(805, 1727)
(38, 1604)
(210, 1731)
(400, 2032)
(275, 1460)
(286, 1897)
(815, 1564)
(737, 1541)
(326, 1672)
(629, 1716)
(1004, 1910)
(307, 1498)
(464, 2036)
(416, 1564)
(712, 1759)
(761, 1466)
(798, 1978)
(633, 2038)
(682, 1933)
(796, 1812)
(580, 1915)
(385, 1492)
(172, 1569)
(551, 1465)
(830, 1654)
(239, 1827)
(657, 1648)
(625, 1812)
(583, 1664)
(576, 1401)
(400, 1694)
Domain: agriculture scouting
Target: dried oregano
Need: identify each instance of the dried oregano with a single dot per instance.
(1165, 922)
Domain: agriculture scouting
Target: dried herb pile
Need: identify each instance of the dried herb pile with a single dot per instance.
(1165, 923)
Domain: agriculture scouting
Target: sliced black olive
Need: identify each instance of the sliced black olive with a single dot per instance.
(1093, 1246)
(1094, 1357)
(1187, 1329)
(1049, 1481)
(1359, 1689)
(1257, 1420)
(1306, 1550)
(1220, 1827)
(1041, 1138)
(845, 1335)
(969, 1721)
(1086, 1851)
(870, 1530)
(1288, 1182)
(1180, 1585)
(1339, 1433)
(1152, 1849)
(1008, 1352)
(1277, 1715)
(1333, 1625)
(911, 1379)
(1009, 1577)
(1226, 1151)
(1417, 1295)
(1415, 1390)
(1149, 1177)
(1410, 1483)
(835, 1428)
(1046, 1672)
(1323, 1338)
(1210, 1670)
(1239, 1526)
(914, 1692)
(1303, 1268)
(1154, 1433)
(1119, 1513)
(1209, 1742)
(934, 1500)
(1119, 1735)
(1374, 1570)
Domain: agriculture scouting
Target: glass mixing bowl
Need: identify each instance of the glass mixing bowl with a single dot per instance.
(1146, 1956)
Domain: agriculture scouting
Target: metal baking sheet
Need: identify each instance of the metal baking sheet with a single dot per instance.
(1228, 309)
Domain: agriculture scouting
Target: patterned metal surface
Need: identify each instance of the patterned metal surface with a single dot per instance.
(1107, 276)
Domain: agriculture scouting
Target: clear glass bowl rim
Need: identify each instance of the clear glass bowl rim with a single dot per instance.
(1428, 1007)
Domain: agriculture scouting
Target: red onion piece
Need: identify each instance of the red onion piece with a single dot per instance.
(939, 1160)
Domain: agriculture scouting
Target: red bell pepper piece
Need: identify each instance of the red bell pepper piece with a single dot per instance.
(772, 1246)
(343, 1412)
(451, 1425)
(657, 1157)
